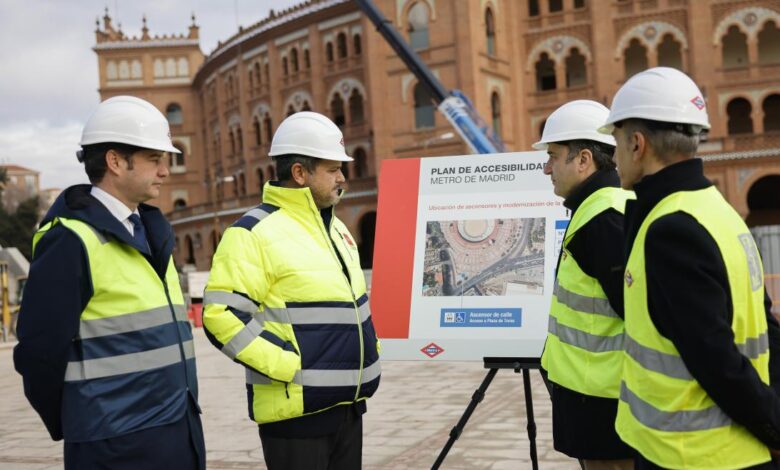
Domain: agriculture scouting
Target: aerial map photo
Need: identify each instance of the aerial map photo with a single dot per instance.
(484, 257)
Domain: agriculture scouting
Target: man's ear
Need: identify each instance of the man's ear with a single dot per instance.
(298, 174)
(638, 144)
(114, 161)
(584, 159)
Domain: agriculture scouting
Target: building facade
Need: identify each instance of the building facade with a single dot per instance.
(21, 184)
(516, 60)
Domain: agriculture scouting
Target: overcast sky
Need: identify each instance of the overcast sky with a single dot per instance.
(48, 71)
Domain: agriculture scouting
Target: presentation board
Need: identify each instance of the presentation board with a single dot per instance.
(465, 255)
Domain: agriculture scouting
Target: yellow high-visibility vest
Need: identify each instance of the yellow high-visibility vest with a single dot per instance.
(663, 411)
(584, 349)
(133, 357)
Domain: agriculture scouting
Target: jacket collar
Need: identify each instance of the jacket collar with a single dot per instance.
(299, 202)
(76, 202)
(687, 175)
(599, 179)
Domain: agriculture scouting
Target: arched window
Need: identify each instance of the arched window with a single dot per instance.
(576, 74)
(771, 108)
(174, 114)
(258, 133)
(267, 73)
(285, 68)
(341, 45)
(418, 26)
(178, 159)
(356, 107)
(769, 44)
(423, 108)
(669, 53)
(337, 110)
(306, 59)
(269, 130)
(232, 142)
(329, 52)
(239, 140)
(556, 6)
(495, 113)
(356, 44)
(360, 164)
(545, 73)
(260, 179)
(579, 4)
(251, 78)
(179, 204)
(490, 31)
(290, 110)
(294, 60)
(533, 8)
(739, 119)
(634, 58)
(305, 106)
(735, 50)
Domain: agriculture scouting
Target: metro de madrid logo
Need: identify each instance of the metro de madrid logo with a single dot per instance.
(432, 350)
(698, 102)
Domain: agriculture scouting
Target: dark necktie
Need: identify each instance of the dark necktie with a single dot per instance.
(139, 232)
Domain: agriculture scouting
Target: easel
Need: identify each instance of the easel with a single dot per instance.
(524, 364)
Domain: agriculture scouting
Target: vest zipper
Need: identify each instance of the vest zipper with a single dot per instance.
(326, 232)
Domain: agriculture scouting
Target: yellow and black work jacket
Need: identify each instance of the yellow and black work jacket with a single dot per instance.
(666, 412)
(584, 345)
(279, 302)
(120, 355)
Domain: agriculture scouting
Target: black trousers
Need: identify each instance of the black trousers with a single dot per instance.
(177, 445)
(341, 450)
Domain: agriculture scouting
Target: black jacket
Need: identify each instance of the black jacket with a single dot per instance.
(583, 425)
(59, 288)
(689, 303)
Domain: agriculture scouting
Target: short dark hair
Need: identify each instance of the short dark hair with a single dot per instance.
(284, 164)
(602, 153)
(95, 158)
(669, 140)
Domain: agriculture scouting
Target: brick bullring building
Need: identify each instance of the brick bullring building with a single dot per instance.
(516, 60)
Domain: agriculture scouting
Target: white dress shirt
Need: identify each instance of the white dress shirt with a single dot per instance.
(116, 207)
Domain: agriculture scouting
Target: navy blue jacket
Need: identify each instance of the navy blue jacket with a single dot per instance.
(59, 288)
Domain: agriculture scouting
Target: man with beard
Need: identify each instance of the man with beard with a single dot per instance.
(286, 298)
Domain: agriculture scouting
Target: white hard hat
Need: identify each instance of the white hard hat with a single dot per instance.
(575, 120)
(128, 120)
(311, 134)
(659, 94)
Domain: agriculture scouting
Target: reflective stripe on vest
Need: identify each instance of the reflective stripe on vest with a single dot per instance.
(664, 413)
(584, 346)
(586, 341)
(582, 303)
(127, 363)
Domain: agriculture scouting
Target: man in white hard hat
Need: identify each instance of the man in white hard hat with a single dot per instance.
(583, 352)
(105, 348)
(286, 299)
(700, 343)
